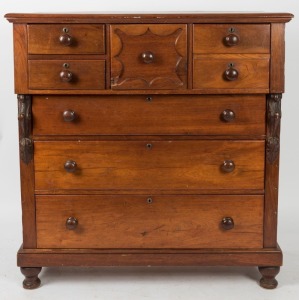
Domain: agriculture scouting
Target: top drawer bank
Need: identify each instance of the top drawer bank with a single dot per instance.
(95, 58)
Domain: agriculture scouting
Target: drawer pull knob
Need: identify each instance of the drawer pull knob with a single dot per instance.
(147, 57)
(227, 115)
(228, 166)
(227, 223)
(231, 74)
(66, 76)
(71, 223)
(65, 39)
(70, 166)
(231, 40)
(69, 116)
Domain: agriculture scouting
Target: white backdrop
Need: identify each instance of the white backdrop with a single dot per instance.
(138, 283)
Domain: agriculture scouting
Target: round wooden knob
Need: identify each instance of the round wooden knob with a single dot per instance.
(69, 115)
(70, 166)
(231, 40)
(66, 76)
(231, 74)
(227, 115)
(71, 223)
(65, 39)
(228, 166)
(227, 223)
(147, 57)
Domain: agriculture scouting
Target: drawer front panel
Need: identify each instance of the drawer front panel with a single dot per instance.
(142, 115)
(66, 39)
(67, 75)
(231, 38)
(136, 222)
(149, 56)
(149, 165)
(231, 73)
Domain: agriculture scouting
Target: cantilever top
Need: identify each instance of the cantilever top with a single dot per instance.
(145, 17)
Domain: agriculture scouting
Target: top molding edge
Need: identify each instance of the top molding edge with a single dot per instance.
(149, 18)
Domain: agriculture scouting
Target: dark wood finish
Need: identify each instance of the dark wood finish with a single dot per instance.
(277, 58)
(20, 58)
(231, 38)
(70, 166)
(150, 257)
(148, 56)
(132, 115)
(228, 166)
(227, 223)
(84, 74)
(210, 73)
(228, 115)
(272, 169)
(25, 128)
(268, 280)
(66, 39)
(165, 222)
(153, 139)
(71, 223)
(176, 165)
(31, 280)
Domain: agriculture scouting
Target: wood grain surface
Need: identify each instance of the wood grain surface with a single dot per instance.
(167, 222)
(172, 165)
(149, 115)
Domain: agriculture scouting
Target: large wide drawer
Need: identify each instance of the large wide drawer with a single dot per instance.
(231, 38)
(149, 165)
(157, 222)
(66, 39)
(66, 74)
(149, 115)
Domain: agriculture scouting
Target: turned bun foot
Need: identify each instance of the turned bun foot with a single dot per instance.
(31, 280)
(268, 280)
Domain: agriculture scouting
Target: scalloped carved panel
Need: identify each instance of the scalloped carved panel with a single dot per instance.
(147, 56)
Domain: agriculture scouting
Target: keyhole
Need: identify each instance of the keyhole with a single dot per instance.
(149, 146)
(230, 65)
(148, 98)
(231, 29)
(66, 65)
(65, 30)
(149, 200)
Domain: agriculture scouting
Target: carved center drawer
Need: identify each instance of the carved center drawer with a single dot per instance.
(148, 56)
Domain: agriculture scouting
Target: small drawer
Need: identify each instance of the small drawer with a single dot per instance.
(149, 56)
(66, 39)
(230, 73)
(149, 115)
(231, 38)
(149, 165)
(122, 221)
(66, 75)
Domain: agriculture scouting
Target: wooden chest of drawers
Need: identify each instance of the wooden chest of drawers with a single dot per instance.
(149, 139)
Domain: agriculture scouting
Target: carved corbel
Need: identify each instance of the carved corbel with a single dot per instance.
(273, 126)
(25, 123)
